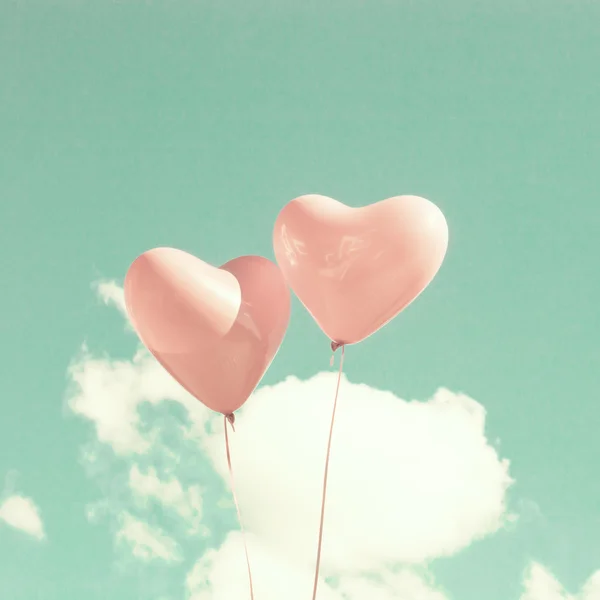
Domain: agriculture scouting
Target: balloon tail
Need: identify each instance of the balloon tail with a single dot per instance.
(231, 419)
(334, 347)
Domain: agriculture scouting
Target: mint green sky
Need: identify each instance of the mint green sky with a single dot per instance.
(130, 125)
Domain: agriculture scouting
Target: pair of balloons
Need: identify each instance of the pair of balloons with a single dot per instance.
(217, 330)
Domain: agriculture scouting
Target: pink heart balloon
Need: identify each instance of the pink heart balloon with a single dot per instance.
(215, 330)
(355, 269)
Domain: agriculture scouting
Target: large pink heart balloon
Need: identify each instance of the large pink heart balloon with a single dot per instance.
(215, 330)
(355, 269)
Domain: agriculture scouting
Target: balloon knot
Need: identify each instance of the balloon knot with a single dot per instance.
(335, 346)
(231, 418)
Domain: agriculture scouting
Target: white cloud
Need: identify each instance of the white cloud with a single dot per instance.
(187, 503)
(109, 393)
(591, 588)
(111, 294)
(222, 575)
(409, 481)
(540, 584)
(146, 543)
(402, 585)
(22, 513)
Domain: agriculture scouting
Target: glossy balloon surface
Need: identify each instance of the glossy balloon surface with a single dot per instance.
(215, 330)
(355, 269)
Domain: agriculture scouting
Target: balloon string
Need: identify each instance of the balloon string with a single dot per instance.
(334, 347)
(231, 419)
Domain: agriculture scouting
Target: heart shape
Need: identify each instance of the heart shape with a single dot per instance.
(215, 330)
(355, 269)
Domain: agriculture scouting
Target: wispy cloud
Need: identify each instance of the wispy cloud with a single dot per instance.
(111, 293)
(145, 542)
(170, 493)
(109, 393)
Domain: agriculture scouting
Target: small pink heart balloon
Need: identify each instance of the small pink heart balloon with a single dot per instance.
(355, 269)
(215, 330)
